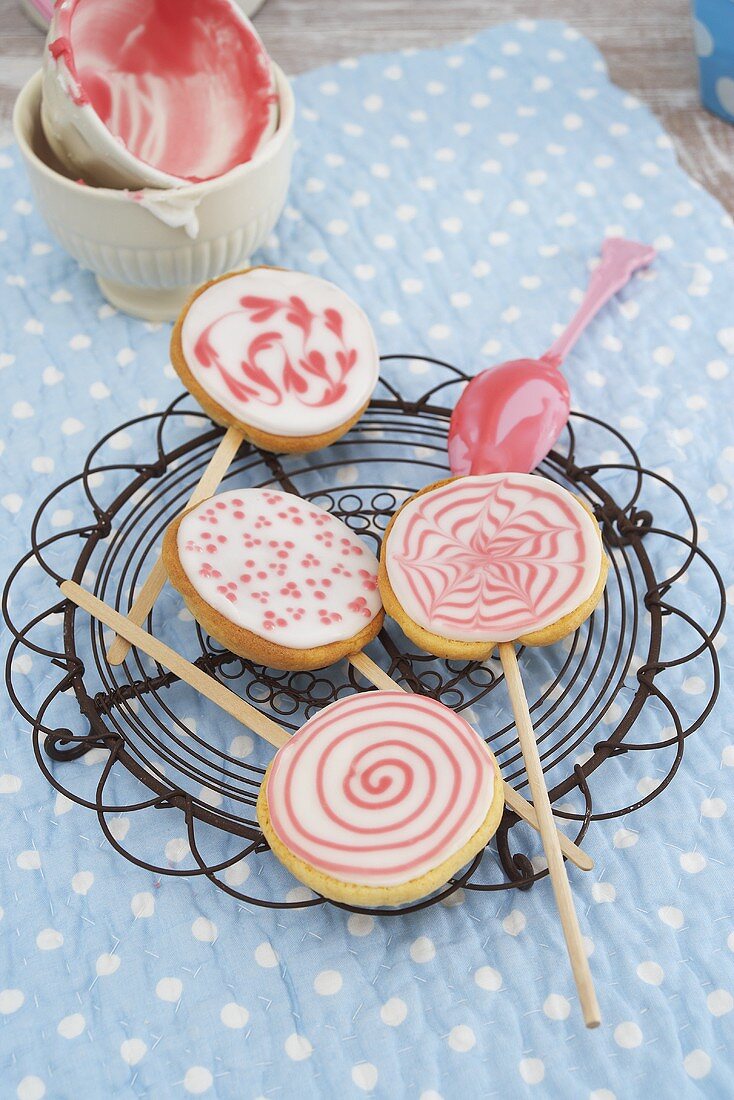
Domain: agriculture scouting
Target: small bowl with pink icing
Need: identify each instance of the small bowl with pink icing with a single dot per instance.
(158, 144)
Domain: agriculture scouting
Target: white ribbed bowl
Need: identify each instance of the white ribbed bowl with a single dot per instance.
(143, 266)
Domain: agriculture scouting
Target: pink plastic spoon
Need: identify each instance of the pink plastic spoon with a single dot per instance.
(509, 416)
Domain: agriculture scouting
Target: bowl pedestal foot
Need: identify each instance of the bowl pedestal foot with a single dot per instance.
(147, 303)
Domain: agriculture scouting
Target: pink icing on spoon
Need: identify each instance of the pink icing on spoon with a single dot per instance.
(509, 416)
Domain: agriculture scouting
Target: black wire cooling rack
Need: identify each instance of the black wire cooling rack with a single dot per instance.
(586, 695)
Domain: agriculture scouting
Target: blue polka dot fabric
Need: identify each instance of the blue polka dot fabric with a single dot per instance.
(459, 195)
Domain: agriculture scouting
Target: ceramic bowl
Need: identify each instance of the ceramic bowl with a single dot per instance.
(150, 249)
(81, 141)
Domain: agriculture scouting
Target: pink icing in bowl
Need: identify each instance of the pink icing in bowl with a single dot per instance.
(183, 89)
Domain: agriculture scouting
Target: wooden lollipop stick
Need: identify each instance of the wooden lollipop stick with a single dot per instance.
(556, 866)
(218, 465)
(515, 801)
(191, 674)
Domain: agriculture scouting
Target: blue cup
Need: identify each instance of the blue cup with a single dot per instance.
(713, 28)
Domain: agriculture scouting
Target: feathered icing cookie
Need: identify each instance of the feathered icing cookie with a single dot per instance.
(380, 798)
(473, 561)
(275, 578)
(287, 358)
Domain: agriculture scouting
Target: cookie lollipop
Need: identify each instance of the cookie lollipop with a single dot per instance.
(475, 563)
(245, 713)
(284, 359)
(509, 416)
(380, 798)
(275, 578)
(287, 359)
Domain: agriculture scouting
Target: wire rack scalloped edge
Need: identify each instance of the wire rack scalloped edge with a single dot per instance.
(626, 527)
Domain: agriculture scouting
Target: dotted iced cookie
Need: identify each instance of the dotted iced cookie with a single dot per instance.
(275, 578)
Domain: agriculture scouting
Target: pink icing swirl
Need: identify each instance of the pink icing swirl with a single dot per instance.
(282, 351)
(380, 787)
(493, 557)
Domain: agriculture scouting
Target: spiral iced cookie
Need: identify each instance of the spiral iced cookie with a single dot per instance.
(275, 578)
(288, 359)
(380, 798)
(474, 561)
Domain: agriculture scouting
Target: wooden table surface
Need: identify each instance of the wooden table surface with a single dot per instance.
(647, 44)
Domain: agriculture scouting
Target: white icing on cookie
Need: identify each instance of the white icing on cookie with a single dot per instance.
(493, 557)
(283, 352)
(280, 567)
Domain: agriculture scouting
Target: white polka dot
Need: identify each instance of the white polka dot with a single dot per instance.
(412, 286)
(625, 838)
(10, 1001)
(177, 849)
(364, 1076)
(713, 807)
(602, 1094)
(107, 964)
(143, 905)
(234, 1016)
(717, 369)
(671, 916)
(720, 1002)
(697, 1064)
(556, 1007)
(327, 982)
(439, 332)
(82, 881)
(197, 1080)
(393, 1012)
(42, 464)
(514, 923)
(430, 1094)
(452, 225)
(169, 989)
(49, 940)
(204, 930)
(31, 1088)
(405, 213)
(627, 1035)
(372, 103)
(297, 1047)
(71, 1027)
(265, 956)
(359, 924)
(486, 977)
(125, 356)
(79, 342)
(21, 410)
(422, 950)
(337, 227)
(365, 271)
(10, 784)
(650, 972)
(693, 862)
(71, 426)
(462, 1038)
(133, 1051)
(29, 861)
(532, 1070)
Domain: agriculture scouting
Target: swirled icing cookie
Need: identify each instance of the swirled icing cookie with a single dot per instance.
(474, 561)
(287, 358)
(380, 798)
(275, 578)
